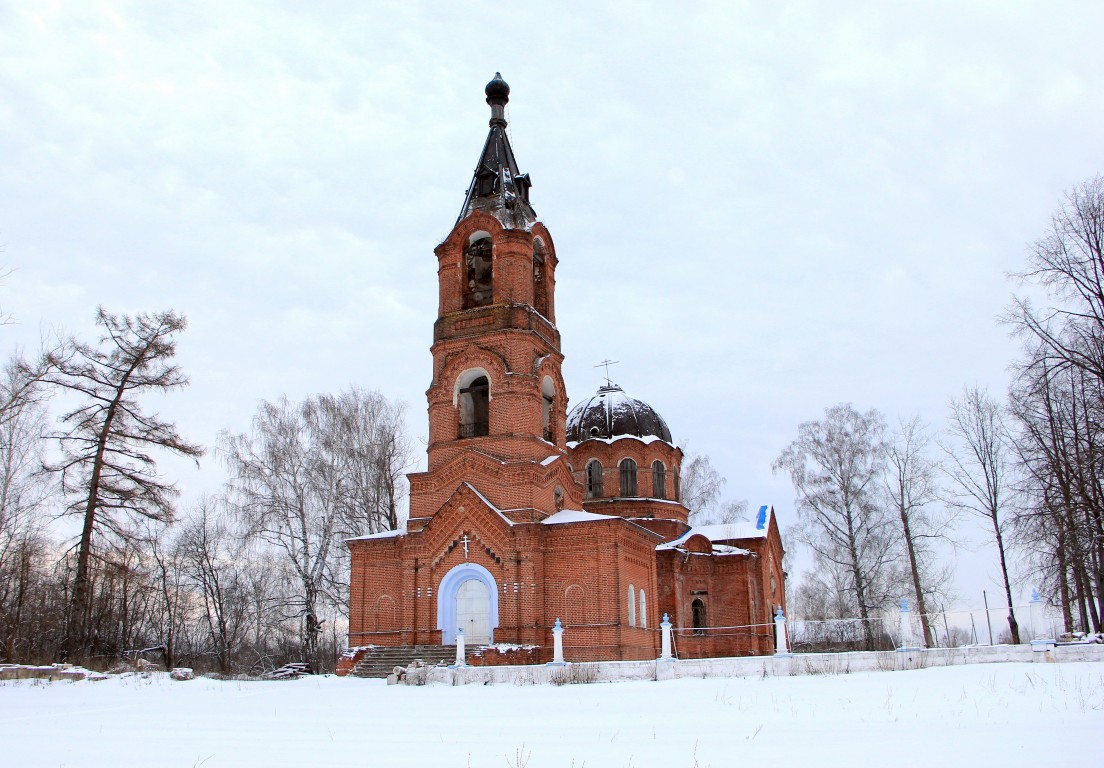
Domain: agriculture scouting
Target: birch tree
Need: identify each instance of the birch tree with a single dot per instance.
(979, 469)
(836, 466)
(306, 476)
(911, 487)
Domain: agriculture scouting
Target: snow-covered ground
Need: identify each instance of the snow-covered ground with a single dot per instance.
(997, 714)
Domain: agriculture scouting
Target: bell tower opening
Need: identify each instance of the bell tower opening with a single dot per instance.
(474, 404)
(478, 272)
(540, 278)
(548, 393)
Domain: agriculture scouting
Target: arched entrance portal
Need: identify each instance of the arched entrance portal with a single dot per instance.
(467, 597)
(473, 611)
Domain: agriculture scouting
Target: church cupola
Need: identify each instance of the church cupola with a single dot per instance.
(624, 457)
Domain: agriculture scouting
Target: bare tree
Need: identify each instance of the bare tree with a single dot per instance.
(309, 474)
(910, 484)
(701, 486)
(1060, 447)
(170, 617)
(978, 467)
(23, 495)
(836, 466)
(107, 467)
(216, 561)
(1069, 263)
(1058, 401)
(372, 430)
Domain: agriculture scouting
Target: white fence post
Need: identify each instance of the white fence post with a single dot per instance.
(665, 640)
(461, 656)
(1042, 639)
(907, 643)
(781, 648)
(557, 645)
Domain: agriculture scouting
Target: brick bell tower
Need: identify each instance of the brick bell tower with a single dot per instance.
(497, 402)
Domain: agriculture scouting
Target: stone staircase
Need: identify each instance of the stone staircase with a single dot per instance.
(381, 661)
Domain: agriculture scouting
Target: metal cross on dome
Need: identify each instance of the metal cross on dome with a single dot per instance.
(606, 364)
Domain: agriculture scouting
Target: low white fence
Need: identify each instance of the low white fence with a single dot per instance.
(750, 666)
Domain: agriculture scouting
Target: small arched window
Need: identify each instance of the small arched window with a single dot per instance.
(659, 480)
(478, 288)
(628, 477)
(594, 479)
(632, 606)
(678, 486)
(697, 615)
(474, 402)
(643, 609)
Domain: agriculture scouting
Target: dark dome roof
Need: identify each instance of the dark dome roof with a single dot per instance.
(612, 413)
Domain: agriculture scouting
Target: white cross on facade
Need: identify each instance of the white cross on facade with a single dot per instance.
(465, 540)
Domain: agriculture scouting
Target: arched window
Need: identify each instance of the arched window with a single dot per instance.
(628, 477)
(632, 606)
(594, 479)
(540, 279)
(478, 285)
(659, 480)
(643, 609)
(474, 401)
(697, 614)
(548, 392)
(678, 486)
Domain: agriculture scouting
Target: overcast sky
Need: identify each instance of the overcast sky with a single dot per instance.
(760, 209)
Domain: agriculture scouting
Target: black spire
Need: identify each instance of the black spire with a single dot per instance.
(498, 187)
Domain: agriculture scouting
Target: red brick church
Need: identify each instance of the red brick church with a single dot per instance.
(527, 513)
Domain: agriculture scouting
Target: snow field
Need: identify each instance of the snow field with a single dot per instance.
(1015, 714)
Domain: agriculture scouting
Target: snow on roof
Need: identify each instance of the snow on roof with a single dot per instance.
(742, 529)
(574, 516)
(550, 459)
(718, 549)
(724, 549)
(646, 439)
(380, 535)
(725, 531)
(675, 543)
